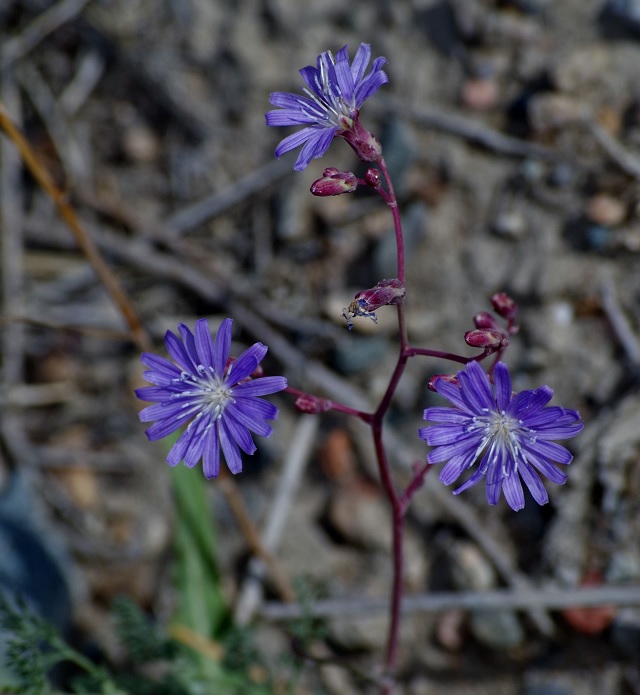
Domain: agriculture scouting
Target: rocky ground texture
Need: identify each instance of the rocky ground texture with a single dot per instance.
(512, 129)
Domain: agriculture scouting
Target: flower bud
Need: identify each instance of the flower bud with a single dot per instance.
(306, 403)
(362, 141)
(451, 378)
(485, 338)
(372, 177)
(504, 305)
(483, 319)
(334, 182)
(365, 303)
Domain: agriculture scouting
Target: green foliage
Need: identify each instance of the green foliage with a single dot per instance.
(157, 664)
(33, 647)
(202, 607)
(142, 639)
(23, 656)
(308, 628)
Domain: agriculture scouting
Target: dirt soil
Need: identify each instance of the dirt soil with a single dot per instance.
(512, 130)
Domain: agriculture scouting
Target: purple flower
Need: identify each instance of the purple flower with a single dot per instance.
(335, 91)
(510, 434)
(214, 395)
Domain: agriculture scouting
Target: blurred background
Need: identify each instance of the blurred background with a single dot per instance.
(512, 130)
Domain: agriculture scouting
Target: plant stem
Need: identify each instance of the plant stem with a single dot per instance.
(397, 502)
(392, 203)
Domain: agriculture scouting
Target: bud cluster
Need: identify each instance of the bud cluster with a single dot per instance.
(489, 334)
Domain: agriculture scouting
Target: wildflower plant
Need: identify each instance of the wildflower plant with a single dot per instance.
(216, 397)
(487, 431)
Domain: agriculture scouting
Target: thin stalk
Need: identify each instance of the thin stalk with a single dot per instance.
(325, 404)
(392, 203)
(396, 501)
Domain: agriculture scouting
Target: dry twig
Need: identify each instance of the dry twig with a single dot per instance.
(528, 599)
(66, 211)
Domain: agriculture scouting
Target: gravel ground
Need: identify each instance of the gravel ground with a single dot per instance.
(512, 130)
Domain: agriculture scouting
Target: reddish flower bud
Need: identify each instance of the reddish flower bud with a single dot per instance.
(334, 182)
(361, 140)
(451, 378)
(485, 338)
(365, 303)
(483, 319)
(504, 305)
(306, 403)
(372, 177)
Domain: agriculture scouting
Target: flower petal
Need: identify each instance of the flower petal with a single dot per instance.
(446, 416)
(263, 386)
(533, 482)
(159, 364)
(239, 433)
(221, 347)
(229, 448)
(177, 351)
(512, 488)
(360, 62)
(211, 454)
(251, 421)
(502, 386)
(246, 364)
(475, 388)
(317, 144)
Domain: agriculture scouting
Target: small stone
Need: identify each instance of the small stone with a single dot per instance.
(337, 457)
(581, 68)
(141, 144)
(553, 112)
(498, 629)
(606, 210)
(450, 630)
(480, 94)
(360, 633)
(510, 224)
(359, 514)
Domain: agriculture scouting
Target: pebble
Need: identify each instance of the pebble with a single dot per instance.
(510, 224)
(337, 458)
(605, 210)
(583, 67)
(480, 94)
(497, 629)
(141, 144)
(553, 112)
(360, 515)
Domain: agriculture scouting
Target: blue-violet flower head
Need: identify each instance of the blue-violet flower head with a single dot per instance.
(509, 434)
(216, 396)
(335, 92)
